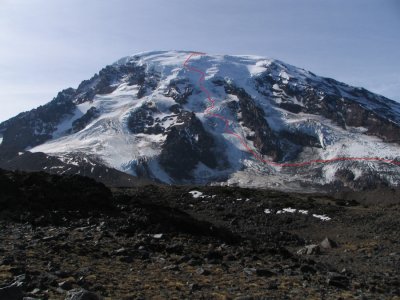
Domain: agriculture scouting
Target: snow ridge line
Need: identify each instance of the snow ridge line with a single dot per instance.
(208, 111)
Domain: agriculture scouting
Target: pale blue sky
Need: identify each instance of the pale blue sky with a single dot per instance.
(49, 45)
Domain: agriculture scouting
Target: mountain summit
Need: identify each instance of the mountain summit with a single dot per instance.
(248, 121)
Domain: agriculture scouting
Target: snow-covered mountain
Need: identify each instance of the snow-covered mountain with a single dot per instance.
(152, 116)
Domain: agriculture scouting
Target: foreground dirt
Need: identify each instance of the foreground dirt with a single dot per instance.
(159, 242)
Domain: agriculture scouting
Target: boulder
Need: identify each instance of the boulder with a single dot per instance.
(202, 271)
(264, 273)
(338, 280)
(310, 250)
(307, 269)
(327, 243)
(81, 294)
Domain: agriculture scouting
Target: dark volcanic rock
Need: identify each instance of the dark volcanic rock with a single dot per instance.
(11, 293)
(338, 280)
(83, 121)
(179, 90)
(327, 243)
(345, 175)
(310, 250)
(357, 108)
(147, 241)
(307, 269)
(35, 127)
(141, 121)
(31, 192)
(358, 116)
(158, 218)
(105, 81)
(369, 181)
(203, 272)
(81, 164)
(253, 118)
(80, 294)
(302, 139)
(186, 145)
(264, 273)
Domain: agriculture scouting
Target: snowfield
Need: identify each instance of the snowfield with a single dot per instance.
(108, 136)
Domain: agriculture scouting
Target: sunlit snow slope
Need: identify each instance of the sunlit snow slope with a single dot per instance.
(145, 115)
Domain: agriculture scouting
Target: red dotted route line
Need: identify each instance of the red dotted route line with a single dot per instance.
(256, 155)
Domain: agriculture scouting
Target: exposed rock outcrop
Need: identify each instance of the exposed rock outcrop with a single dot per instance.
(142, 121)
(179, 90)
(83, 121)
(345, 105)
(253, 117)
(35, 127)
(186, 145)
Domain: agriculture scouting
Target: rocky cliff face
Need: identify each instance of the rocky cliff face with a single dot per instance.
(346, 106)
(186, 145)
(253, 117)
(149, 116)
(35, 127)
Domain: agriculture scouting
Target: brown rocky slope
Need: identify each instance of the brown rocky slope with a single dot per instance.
(73, 238)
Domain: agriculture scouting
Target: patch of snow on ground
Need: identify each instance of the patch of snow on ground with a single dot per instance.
(196, 194)
(322, 217)
(285, 76)
(357, 173)
(300, 211)
(70, 160)
(259, 67)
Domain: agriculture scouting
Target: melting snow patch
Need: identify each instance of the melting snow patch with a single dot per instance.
(300, 211)
(286, 210)
(284, 76)
(196, 194)
(322, 217)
